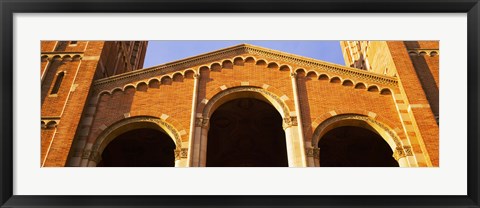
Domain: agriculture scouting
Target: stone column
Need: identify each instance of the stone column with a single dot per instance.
(192, 120)
(300, 138)
(203, 142)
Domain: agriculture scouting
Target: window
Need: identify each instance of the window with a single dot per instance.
(58, 82)
(73, 43)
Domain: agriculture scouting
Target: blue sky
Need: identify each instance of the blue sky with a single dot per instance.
(160, 52)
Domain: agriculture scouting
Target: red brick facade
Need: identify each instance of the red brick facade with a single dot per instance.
(100, 98)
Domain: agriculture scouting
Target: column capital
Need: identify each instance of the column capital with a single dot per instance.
(92, 155)
(181, 153)
(289, 122)
(312, 152)
(201, 122)
(293, 74)
(196, 76)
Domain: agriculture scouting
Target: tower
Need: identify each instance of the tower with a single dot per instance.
(416, 65)
(68, 69)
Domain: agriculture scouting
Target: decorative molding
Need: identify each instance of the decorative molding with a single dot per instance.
(181, 153)
(262, 91)
(335, 119)
(201, 122)
(49, 122)
(61, 56)
(312, 152)
(318, 66)
(402, 151)
(423, 52)
(289, 122)
(102, 142)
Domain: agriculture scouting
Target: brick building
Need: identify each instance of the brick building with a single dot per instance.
(239, 106)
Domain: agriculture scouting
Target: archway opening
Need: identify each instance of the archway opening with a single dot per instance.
(144, 147)
(352, 146)
(246, 132)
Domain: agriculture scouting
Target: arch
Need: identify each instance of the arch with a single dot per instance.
(51, 124)
(238, 61)
(360, 85)
(104, 92)
(272, 65)
(412, 53)
(189, 74)
(261, 62)
(385, 131)
(116, 90)
(300, 71)
(422, 53)
(133, 123)
(335, 80)
(312, 74)
(76, 57)
(323, 77)
(57, 58)
(227, 64)
(216, 67)
(154, 83)
(203, 69)
(177, 77)
(252, 133)
(250, 60)
(129, 86)
(347, 82)
(285, 68)
(166, 80)
(142, 86)
(373, 88)
(433, 53)
(245, 91)
(386, 91)
(67, 58)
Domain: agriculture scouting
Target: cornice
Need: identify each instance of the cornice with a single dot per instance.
(308, 64)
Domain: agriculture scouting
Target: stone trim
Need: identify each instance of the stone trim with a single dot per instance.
(312, 152)
(289, 122)
(316, 65)
(101, 141)
(400, 150)
(262, 91)
(63, 56)
(49, 122)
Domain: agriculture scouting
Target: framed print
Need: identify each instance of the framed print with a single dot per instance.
(268, 103)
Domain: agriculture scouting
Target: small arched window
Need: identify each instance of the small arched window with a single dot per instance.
(58, 82)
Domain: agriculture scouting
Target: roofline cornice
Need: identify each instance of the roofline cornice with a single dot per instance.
(186, 63)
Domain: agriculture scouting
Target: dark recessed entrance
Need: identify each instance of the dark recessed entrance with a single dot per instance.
(351, 146)
(140, 148)
(246, 132)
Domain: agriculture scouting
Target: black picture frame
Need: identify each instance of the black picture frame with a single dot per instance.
(10, 7)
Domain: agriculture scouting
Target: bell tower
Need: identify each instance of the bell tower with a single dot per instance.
(68, 69)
